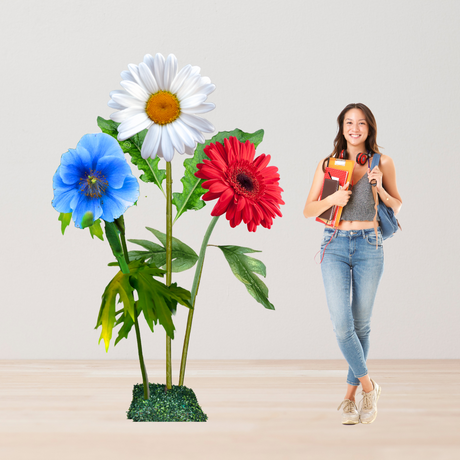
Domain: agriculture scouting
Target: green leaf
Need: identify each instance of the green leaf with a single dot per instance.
(190, 198)
(156, 300)
(132, 146)
(183, 256)
(65, 219)
(111, 231)
(244, 268)
(127, 322)
(96, 230)
(119, 286)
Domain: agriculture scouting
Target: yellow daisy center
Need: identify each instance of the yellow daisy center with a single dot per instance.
(163, 107)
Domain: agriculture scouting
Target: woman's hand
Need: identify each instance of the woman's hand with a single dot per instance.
(376, 175)
(340, 197)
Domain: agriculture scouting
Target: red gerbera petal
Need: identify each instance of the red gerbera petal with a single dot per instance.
(247, 189)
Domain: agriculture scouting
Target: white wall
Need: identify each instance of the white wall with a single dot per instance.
(288, 67)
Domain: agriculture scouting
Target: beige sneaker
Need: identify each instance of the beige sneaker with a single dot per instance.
(350, 415)
(368, 411)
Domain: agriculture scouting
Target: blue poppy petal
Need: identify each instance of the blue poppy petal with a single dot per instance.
(129, 193)
(114, 169)
(113, 207)
(99, 145)
(83, 205)
(63, 193)
(74, 164)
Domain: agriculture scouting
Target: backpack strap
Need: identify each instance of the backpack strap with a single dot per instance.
(375, 162)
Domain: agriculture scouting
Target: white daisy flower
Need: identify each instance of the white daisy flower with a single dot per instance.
(158, 97)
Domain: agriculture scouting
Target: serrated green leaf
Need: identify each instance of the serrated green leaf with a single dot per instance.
(132, 146)
(119, 286)
(190, 197)
(183, 256)
(96, 230)
(65, 218)
(127, 324)
(158, 301)
(244, 268)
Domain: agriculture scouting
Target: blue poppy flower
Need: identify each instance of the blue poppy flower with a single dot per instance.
(94, 178)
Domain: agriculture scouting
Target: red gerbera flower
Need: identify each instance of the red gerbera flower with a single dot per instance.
(247, 189)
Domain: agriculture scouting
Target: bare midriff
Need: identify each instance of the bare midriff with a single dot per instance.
(355, 224)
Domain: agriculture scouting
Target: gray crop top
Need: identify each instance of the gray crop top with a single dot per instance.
(361, 204)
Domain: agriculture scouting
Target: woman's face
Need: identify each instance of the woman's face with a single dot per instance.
(355, 128)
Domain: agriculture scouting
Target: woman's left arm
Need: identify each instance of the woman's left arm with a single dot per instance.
(385, 175)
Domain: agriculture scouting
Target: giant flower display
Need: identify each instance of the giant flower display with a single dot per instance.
(94, 178)
(247, 188)
(158, 97)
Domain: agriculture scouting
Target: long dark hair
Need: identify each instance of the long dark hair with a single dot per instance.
(341, 144)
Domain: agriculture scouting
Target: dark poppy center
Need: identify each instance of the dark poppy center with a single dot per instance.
(245, 182)
(93, 185)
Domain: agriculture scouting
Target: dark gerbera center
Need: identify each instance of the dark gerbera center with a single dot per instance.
(163, 107)
(93, 184)
(245, 182)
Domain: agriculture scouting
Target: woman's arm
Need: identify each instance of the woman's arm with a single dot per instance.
(313, 207)
(385, 175)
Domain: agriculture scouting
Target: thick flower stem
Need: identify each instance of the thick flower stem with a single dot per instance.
(194, 292)
(145, 379)
(168, 264)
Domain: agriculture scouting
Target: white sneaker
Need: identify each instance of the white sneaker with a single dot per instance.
(350, 415)
(368, 411)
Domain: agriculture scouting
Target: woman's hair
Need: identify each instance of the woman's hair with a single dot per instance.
(341, 144)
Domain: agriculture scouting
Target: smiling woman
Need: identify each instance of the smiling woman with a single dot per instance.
(353, 264)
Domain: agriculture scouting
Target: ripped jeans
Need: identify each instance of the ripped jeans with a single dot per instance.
(352, 268)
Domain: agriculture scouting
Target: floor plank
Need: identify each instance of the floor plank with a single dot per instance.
(266, 410)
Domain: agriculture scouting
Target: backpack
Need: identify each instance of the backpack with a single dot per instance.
(388, 222)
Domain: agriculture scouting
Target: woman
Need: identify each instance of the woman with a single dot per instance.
(352, 265)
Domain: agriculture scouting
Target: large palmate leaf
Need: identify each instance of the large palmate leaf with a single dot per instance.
(244, 268)
(156, 300)
(183, 256)
(133, 147)
(121, 287)
(190, 197)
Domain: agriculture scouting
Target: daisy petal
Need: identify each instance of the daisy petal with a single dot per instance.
(133, 121)
(192, 101)
(159, 69)
(126, 75)
(124, 114)
(166, 146)
(134, 69)
(190, 83)
(197, 122)
(151, 141)
(115, 105)
(148, 78)
(128, 101)
(170, 71)
(183, 132)
(177, 142)
(202, 108)
(122, 136)
(190, 150)
(135, 90)
(180, 78)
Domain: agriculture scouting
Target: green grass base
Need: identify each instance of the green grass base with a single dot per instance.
(176, 405)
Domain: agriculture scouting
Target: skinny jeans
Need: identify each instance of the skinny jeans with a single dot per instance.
(352, 268)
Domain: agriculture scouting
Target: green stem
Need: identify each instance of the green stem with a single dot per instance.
(168, 264)
(145, 379)
(195, 286)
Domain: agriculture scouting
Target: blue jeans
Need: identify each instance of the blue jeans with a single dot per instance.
(352, 268)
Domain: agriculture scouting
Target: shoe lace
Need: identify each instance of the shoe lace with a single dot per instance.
(348, 406)
(368, 401)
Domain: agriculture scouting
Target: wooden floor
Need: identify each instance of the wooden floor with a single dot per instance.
(258, 410)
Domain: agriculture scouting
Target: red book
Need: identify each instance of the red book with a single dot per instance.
(341, 176)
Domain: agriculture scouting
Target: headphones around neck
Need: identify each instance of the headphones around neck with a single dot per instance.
(362, 158)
